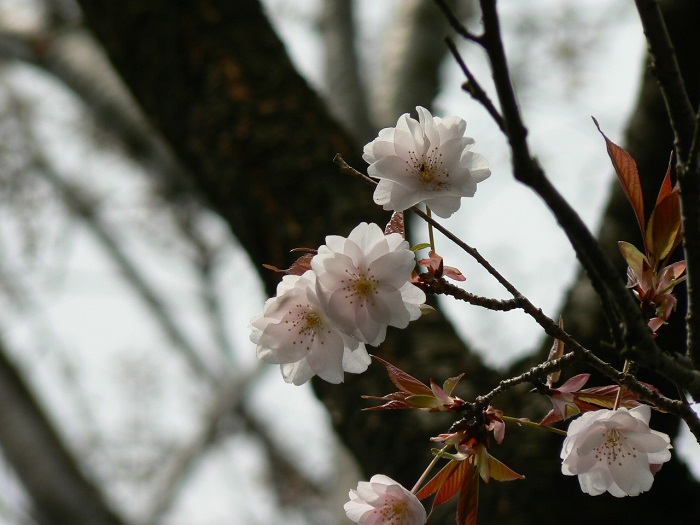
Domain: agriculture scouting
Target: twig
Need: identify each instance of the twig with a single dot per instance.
(668, 74)
(528, 377)
(473, 87)
(439, 286)
(79, 205)
(456, 24)
(684, 123)
(689, 182)
(629, 329)
(226, 401)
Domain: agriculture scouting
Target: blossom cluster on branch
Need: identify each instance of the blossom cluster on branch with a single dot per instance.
(319, 321)
(337, 299)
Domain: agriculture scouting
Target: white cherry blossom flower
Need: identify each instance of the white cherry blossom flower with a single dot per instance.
(428, 161)
(295, 332)
(383, 501)
(362, 282)
(614, 451)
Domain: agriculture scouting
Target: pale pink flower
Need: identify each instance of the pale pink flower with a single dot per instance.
(363, 282)
(614, 451)
(383, 501)
(428, 160)
(295, 332)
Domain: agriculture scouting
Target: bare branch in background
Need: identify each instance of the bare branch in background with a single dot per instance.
(666, 69)
(71, 56)
(227, 400)
(78, 203)
(60, 492)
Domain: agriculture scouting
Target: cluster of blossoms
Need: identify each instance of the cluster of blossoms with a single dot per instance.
(330, 305)
(319, 322)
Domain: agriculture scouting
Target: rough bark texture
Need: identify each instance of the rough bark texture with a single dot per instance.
(214, 78)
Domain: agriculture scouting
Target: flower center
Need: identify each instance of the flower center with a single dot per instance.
(365, 286)
(614, 449)
(313, 322)
(307, 323)
(430, 169)
(425, 174)
(361, 285)
(394, 512)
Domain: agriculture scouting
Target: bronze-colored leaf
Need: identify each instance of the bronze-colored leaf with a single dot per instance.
(454, 482)
(468, 507)
(449, 384)
(438, 480)
(664, 229)
(627, 174)
(403, 381)
(396, 224)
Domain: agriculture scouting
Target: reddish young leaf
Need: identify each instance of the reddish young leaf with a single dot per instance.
(666, 187)
(454, 482)
(393, 401)
(424, 402)
(604, 396)
(633, 257)
(403, 381)
(468, 507)
(627, 174)
(396, 224)
(500, 472)
(438, 480)
(450, 384)
(298, 267)
(664, 229)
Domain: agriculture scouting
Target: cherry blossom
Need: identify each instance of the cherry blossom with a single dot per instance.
(295, 332)
(614, 451)
(383, 501)
(428, 161)
(363, 282)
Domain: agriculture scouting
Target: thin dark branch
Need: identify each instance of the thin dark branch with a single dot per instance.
(643, 353)
(81, 206)
(668, 74)
(473, 87)
(439, 286)
(535, 372)
(456, 24)
(629, 329)
(685, 128)
(689, 182)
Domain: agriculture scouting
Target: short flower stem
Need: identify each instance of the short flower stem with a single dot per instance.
(430, 229)
(532, 424)
(621, 388)
(437, 457)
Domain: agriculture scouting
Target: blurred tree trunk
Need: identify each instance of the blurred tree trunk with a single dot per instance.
(214, 78)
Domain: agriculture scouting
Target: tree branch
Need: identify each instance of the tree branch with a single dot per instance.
(685, 128)
(61, 493)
